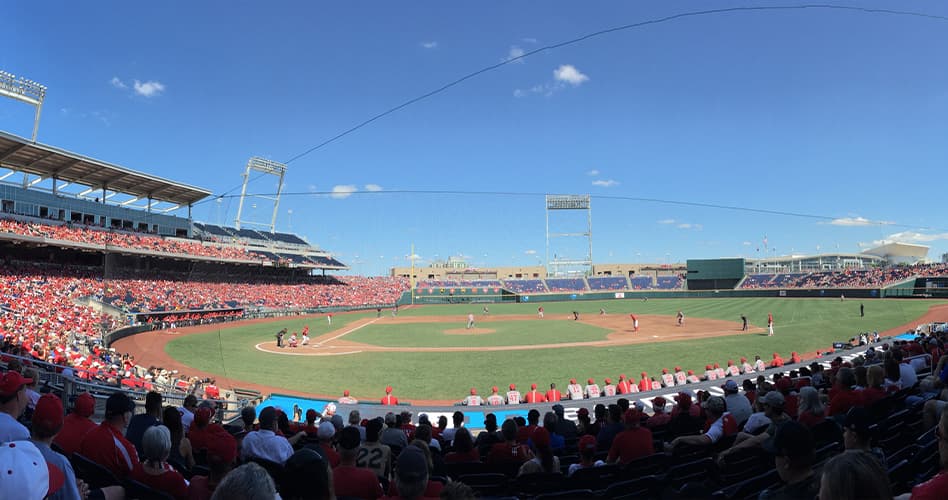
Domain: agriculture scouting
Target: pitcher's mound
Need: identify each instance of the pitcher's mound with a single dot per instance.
(471, 331)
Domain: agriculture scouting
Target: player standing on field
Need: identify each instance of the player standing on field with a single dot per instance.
(470, 321)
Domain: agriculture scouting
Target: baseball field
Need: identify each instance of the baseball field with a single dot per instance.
(429, 356)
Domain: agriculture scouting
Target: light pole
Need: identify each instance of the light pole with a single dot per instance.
(24, 90)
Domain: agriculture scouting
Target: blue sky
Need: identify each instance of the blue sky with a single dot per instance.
(833, 113)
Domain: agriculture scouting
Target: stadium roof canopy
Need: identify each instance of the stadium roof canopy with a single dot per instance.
(22, 155)
(895, 249)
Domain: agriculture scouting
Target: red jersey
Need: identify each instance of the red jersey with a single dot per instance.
(631, 444)
(106, 446)
(74, 429)
(534, 397)
(170, 481)
(356, 482)
(553, 395)
(389, 400)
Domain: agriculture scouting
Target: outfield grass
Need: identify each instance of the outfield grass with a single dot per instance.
(800, 324)
(505, 334)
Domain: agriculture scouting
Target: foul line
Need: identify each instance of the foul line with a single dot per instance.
(260, 348)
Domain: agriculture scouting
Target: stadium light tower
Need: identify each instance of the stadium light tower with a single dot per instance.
(24, 90)
(266, 167)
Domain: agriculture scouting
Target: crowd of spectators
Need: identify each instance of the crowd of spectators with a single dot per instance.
(861, 427)
(848, 278)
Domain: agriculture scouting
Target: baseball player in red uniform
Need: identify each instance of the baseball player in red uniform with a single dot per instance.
(644, 383)
(635, 322)
(623, 387)
(553, 395)
(534, 396)
(389, 400)
(680, 377)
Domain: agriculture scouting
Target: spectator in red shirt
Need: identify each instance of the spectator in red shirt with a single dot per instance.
(812, 411)
(155, 471)
(791, 401)
(76, 425)
(221, 453)
(720, 424)
(660, 418)
(936, 487)
(777, 362)
(106, 444)
(632, 443)
(349, 480)
(873, 392)
(464, 450)
(509, 451)
(843, 397)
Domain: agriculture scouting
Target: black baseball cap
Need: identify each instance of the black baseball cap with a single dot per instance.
(792, 439)
(117, 404)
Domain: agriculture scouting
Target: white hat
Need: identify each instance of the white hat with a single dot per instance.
(26, 474)
(326, 430)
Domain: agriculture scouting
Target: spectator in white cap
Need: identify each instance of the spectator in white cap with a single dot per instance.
(737, 404)
(26, 474)
(325, 434)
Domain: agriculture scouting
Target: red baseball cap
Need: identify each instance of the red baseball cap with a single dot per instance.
(707, 367)
(644, 374)
(494, 388)
(608, 380)
(716, 365)
(11, 382)
(664, 371)
(48, 414)
(473, 391)
(345, 393)
(743, 359)
(85, 405)
(730, 362)
(691, 372)
(677, 368)
(388, 389)
(513, 387)
(572, 381)
(203, 416)
(533, 386)
(622, 377)
(221, 446)
(590, 381)
(587, 443)
(632, 416)
(540, 437)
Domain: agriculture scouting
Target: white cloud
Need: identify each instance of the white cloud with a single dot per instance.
(117, 83)
(747, 243)
(593, 172)
(530, 252)
(569, 74)
(514, 53)
(911, 237)
(373, 187)
(858, 221)
(430, 45)
(150, 88)
(529, 40)
(686, 225)
(605, 183)
(666, 221)
(343, 191)
(564, 76)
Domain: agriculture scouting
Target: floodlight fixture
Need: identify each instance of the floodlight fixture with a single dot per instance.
(266, 167)
(24, 90)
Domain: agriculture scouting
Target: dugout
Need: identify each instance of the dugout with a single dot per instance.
(714, 274)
